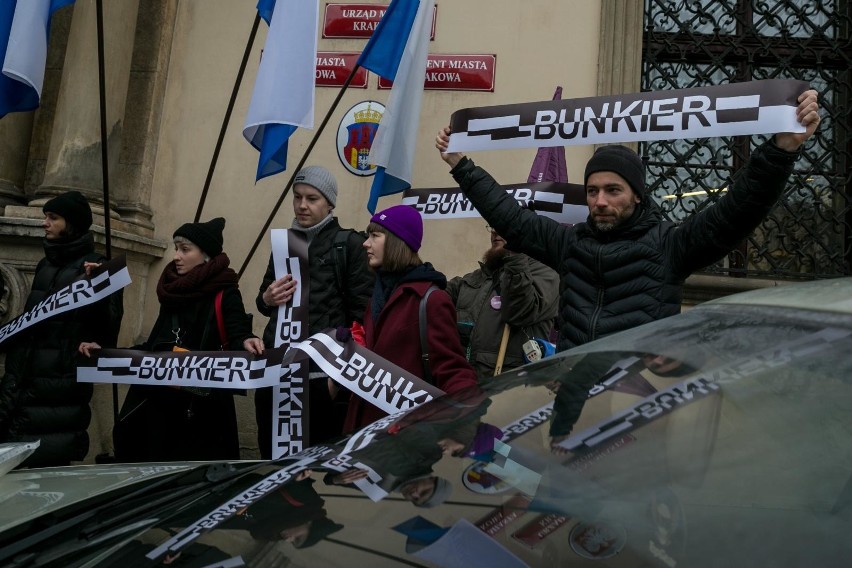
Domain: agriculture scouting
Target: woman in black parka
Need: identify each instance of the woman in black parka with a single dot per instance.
(40, 398)
(162, 423)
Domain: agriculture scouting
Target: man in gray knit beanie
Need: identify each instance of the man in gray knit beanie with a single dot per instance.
(320, 178)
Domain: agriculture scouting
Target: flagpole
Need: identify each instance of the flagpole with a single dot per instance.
(297, 168)
(227, 117)
(99, 11)
(104, 149)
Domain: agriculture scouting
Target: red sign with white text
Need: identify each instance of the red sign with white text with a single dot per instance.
(357, 20)
(334, 67)
(539, 529)
(498, 519)
(456, 73)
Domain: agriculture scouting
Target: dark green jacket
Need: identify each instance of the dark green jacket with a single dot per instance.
(528, 293)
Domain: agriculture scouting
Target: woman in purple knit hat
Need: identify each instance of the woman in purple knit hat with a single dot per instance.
(391, 321)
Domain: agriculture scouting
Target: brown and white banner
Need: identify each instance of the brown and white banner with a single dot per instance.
(109, 277)
(373, 378)
(208, 369)
(290, 411)
(562, 202)
(755, 107)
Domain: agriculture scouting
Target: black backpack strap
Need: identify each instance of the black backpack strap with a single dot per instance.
(424, 342)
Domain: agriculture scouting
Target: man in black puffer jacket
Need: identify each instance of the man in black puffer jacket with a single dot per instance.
(625, 266)
(40, 398)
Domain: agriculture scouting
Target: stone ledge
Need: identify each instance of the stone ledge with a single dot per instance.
(22, 229)
(117, 224)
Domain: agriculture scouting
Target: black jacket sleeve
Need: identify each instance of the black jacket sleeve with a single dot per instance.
(359, 279)
(525, 231)
(268, 278)
(237, 321)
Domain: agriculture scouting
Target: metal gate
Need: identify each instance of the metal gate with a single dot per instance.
(689, 43)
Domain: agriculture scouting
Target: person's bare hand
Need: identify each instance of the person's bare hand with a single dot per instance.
(89, 266)
(807, 114)
(253, 345)
(280, 292)
(555, 448)
(349, 476)
(86, 348)
(304, 474)
(441, 143)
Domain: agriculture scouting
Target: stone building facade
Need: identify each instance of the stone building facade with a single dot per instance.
(170, 69)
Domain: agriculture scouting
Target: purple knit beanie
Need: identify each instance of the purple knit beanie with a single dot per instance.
(404, 221)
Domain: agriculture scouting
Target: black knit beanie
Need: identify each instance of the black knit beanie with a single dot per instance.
(207, 236)
(73, 207)
(621, 160)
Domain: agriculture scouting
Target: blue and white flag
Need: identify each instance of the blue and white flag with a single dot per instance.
(24, 27)
(398, 50)
(283, 98)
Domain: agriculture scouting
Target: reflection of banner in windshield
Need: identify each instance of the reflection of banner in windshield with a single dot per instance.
(109, 277)
(210, 369)
(375, 379)
(248, 497)
(754, 107)
(290, 410)
(526, 423)
(703, 384)
(362, 438)
(648, 410)
(376, 486)
(373, 486)
(623, 376)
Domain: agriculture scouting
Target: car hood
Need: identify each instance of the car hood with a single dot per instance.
(719, 436)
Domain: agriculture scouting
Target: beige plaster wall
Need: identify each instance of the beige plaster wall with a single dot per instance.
(539, 44)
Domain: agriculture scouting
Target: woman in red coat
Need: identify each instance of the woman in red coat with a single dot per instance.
(391, 322)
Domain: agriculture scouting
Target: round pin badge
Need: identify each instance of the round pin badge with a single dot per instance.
(496, 302)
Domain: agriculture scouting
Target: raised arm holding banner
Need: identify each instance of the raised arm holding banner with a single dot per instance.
(626, 266)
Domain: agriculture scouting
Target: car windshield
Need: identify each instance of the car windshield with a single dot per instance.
(721, 435)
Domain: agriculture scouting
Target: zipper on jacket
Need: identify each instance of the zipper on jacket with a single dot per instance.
(593, 322)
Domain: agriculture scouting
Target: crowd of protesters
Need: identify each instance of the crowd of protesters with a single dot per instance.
(623, 267)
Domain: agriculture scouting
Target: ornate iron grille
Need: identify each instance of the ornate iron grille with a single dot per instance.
(707, 42)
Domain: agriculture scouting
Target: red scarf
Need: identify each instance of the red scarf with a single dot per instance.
(204, 280)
